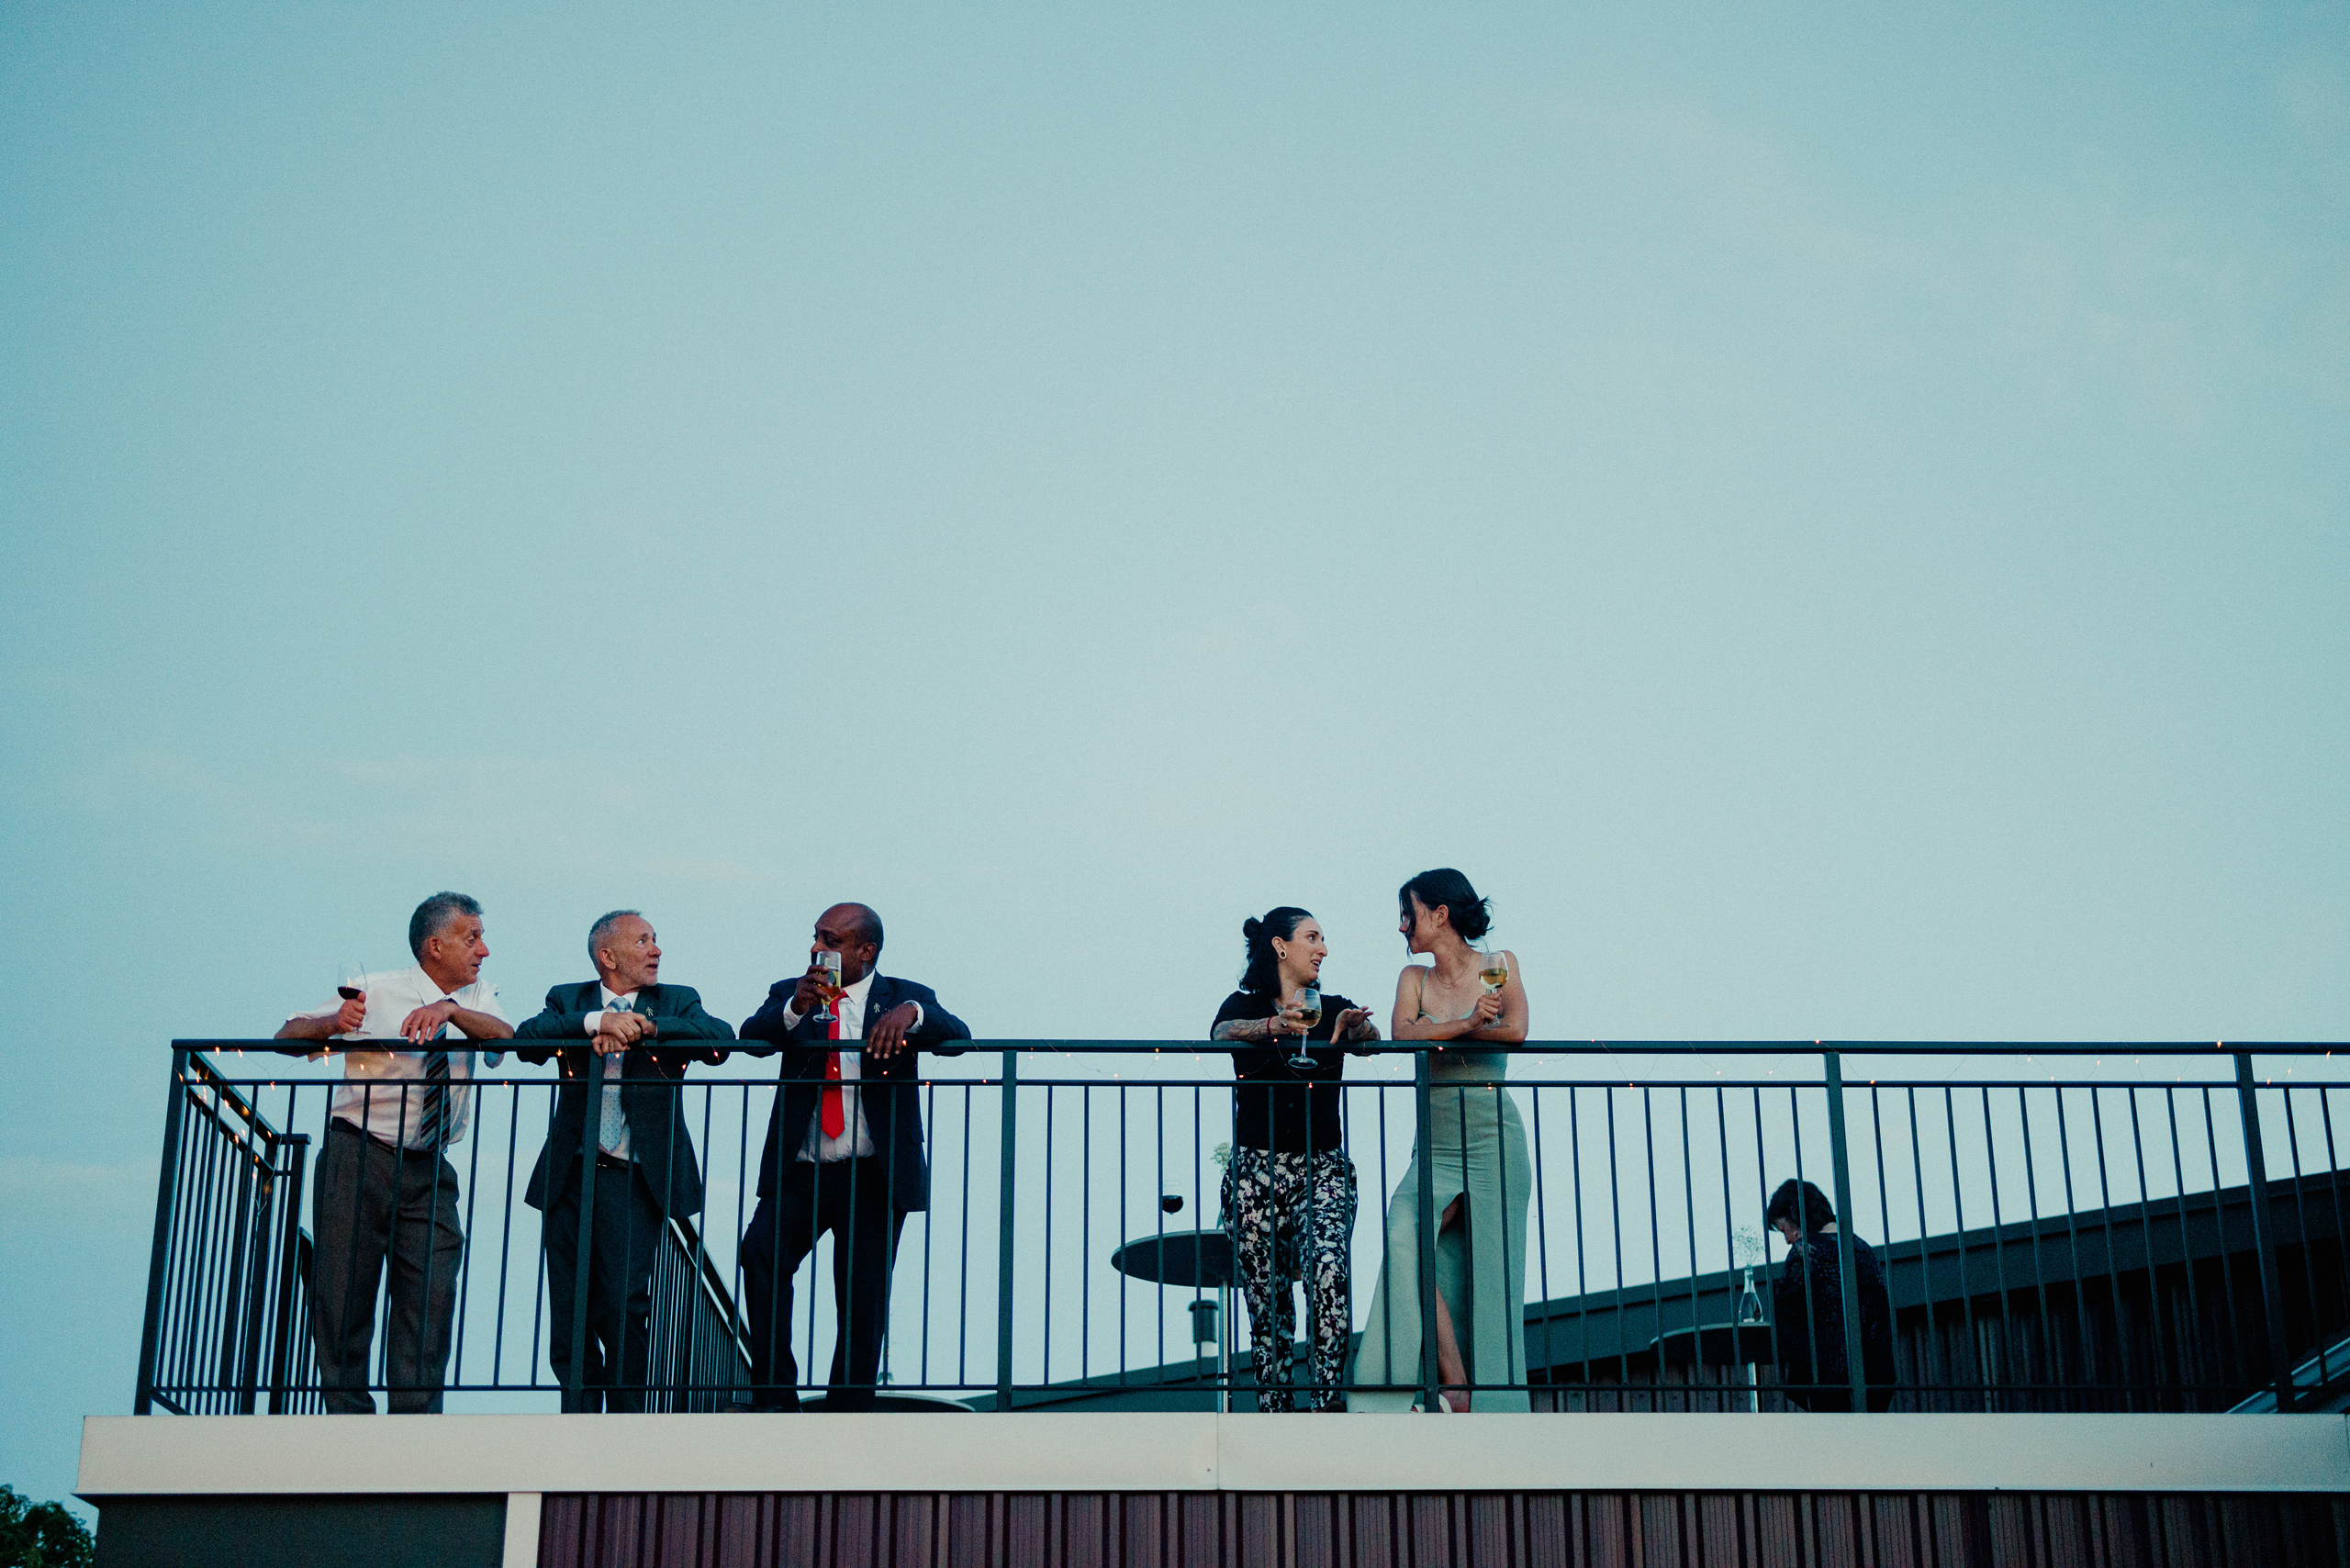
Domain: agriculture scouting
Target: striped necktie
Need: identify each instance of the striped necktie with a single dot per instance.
(432, 1127)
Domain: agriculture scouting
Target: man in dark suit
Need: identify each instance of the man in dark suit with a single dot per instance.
(844, 1153)
(646, 1033)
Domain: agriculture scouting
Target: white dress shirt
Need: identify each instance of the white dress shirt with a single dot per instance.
(382, 1092)
(856, 1140)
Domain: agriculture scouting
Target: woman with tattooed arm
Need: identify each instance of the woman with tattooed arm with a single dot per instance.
(1289, 1193)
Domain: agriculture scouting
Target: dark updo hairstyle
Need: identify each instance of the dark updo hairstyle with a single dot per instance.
(1447, 890)
(1794, 1196)
(1263, 975)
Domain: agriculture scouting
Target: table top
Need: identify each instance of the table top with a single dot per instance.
(1193, 1258)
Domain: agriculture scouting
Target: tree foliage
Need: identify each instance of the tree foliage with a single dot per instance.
(41, 1535)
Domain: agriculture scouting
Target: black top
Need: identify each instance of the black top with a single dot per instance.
(1819, 1322)
(1303, 1114)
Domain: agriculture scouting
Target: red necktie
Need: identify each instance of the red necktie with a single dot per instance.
(834, 1121)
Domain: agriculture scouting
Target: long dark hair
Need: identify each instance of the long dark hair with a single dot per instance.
(1447, 890)
(1263, 975)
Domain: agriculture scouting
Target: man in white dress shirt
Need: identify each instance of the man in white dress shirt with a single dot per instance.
(844, 1153)
(383, 1189)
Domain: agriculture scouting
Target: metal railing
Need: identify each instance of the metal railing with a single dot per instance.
(226, 1287)
(2101, 1237)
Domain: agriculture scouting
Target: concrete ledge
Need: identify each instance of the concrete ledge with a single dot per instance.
(349, 1455)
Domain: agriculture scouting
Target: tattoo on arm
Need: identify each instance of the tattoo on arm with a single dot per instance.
(1254, 1029)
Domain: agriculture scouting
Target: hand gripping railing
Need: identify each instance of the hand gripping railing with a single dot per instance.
(2171, 1237)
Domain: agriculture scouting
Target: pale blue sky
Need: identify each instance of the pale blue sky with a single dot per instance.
(1835, 519)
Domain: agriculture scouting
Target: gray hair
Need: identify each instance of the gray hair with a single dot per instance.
(433, 917)
(600, 932)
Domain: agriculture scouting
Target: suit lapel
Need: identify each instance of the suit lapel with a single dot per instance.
(878, 1000)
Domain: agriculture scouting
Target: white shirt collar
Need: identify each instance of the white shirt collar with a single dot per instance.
(610, 996)
(431, 988)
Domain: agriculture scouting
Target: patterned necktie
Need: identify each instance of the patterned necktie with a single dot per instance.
(836, 1118)
(612, 1121)
(432, 1127)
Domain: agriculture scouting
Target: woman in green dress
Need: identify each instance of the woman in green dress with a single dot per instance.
(1477, 1159)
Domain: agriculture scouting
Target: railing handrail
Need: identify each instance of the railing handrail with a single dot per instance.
(243, 1237)
(2223, 1048)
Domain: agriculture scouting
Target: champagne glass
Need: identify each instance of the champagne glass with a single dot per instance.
(829, 987)
(1309, 1013)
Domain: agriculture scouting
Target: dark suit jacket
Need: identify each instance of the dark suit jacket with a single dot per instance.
(894, 1114)
(657, 1115)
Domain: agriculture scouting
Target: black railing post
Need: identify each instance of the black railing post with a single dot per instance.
(1848, 1287)
(590, 1126)
(1004, 1260)
(2272, 1291)
(260, 1198)
(1425, 1115)
(159, 1258)
(296, 1146)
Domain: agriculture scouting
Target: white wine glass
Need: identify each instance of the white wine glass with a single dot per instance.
(1494, 969)
(828, 987)
(1309, 1013)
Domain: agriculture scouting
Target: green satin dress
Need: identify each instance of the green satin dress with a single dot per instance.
(1477, 1147)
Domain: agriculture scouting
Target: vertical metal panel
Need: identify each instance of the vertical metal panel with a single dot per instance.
(1372, 1521)
(1590, 1530)
(1199, 1529)
(1140, 1533)
(1259, 1527)
(970, 1530)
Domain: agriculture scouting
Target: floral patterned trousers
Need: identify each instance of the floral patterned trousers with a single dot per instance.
(1292, 1217)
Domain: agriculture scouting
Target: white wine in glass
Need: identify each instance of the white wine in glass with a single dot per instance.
(1495, 971)
(828, 988)
(1309, 1013)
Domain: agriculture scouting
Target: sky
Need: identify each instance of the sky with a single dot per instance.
(1834, 519)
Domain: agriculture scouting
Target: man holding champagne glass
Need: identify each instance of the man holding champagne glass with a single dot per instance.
(843, 1149)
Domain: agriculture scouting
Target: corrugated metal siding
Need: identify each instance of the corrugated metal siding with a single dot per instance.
(1575, 1529)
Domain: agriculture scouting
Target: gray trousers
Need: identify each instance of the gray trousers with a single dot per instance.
(371, 1202)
